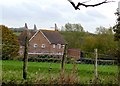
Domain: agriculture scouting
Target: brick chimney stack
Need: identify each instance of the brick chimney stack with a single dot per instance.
(26, 27)
(56, 28)
(35, 28)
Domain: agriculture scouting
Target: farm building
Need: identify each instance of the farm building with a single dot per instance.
(74, 53)
(42, 42)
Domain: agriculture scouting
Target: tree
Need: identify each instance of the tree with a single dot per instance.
(103, 30)
(105, 41)
(116, 28)
(68, 27)
(73, 27)
(89, 44)
(10, 45)
(117, 38)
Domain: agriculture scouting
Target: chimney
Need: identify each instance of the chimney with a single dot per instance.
(35, 28)
(26, 27)
(56, 28)
(27, 30)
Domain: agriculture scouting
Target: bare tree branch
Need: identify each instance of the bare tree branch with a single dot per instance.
(87, 5)
(86, 1)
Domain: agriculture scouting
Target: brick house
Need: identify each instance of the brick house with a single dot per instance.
(42, 42)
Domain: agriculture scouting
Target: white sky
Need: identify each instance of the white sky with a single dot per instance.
(44, 13)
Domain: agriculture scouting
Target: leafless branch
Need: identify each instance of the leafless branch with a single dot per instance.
(87, 5)
(86, 1)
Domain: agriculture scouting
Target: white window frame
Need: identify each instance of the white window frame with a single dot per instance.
(35, 45)
(63, 46)
(43, 46)
(53, 45)
(59, 46)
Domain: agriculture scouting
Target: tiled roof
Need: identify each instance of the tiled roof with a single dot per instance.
(53, 36)
(72, 49)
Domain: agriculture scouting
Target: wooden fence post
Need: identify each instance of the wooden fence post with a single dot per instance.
(62, 65)
(0, 69)
(95, 69)
(63, 58)
(25, 60)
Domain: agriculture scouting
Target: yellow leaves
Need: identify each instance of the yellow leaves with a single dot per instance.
(10, 43)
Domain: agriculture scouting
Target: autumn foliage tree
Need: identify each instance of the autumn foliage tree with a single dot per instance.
(10, 45)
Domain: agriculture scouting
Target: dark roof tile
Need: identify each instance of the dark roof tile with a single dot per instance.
(53, 36)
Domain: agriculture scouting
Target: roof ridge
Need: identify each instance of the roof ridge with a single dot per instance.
(49, 30)
(34, 35)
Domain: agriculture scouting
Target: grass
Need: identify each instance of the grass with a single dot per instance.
(42, 72)
(17, 33)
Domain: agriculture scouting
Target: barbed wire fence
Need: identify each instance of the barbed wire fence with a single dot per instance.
(104, 70)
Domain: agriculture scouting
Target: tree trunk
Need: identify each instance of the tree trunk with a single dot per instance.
(95, 67)
(25, 60)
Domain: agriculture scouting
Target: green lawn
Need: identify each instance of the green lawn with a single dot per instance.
(17, 33)
(12, 70)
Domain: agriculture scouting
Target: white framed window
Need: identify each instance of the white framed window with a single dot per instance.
(59, 46)
(35, 45)
(53, 45)
(43, 46)
(63, 46)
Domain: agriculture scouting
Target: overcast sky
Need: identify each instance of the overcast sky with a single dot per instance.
(44, 13)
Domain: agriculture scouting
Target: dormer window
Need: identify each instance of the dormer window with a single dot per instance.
(35, 45)
(43, 46)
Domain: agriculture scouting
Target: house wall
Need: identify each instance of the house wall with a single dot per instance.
(59, 49)
(40, 39)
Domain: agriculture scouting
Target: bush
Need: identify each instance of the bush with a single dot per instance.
(44, 59)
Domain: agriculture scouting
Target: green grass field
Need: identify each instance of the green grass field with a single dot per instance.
(43, 71)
